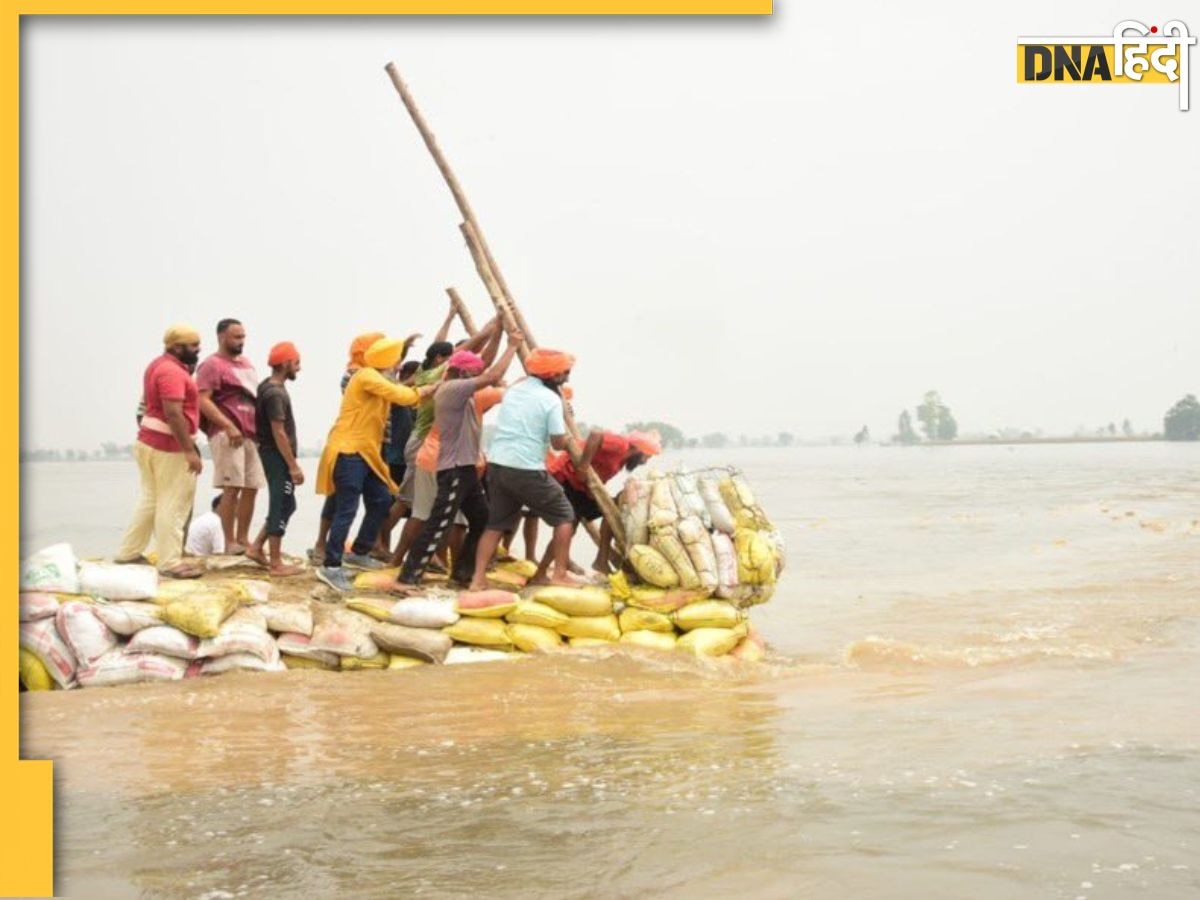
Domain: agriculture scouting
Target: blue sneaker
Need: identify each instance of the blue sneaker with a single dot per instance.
(336, 577)
(361, 561)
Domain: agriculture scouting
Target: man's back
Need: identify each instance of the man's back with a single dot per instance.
(529, 415)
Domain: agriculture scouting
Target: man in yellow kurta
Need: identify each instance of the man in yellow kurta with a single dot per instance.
(352, 465)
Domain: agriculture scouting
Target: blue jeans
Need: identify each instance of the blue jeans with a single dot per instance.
(352, 479)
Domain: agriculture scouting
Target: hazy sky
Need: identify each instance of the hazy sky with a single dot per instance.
(798, 223)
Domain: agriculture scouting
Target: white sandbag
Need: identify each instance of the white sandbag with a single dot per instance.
(36, 605)
(244, 662)
(87, 636)
(119, 667)
(128, 617)
(728, 587)
(424, 612)
(419, 643)
(243, 632)
(41, 638)
(284, 618)
(687, 497)
(251, 590)
(342, 631)
(165, 640)
(698, 544)
(461, 654)
(301, 645)
(635, 510)
(718, 513)
(114, 582)
(52, 569)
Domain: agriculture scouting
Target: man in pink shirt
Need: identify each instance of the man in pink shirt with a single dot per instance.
(167, 459)
(228, 388)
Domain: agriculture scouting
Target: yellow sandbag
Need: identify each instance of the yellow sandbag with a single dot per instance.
(751, 648)
(741, 629)
(707, 614)
(534, 638)
(526, 568)
(200, 615)
(655, 640)
(405, 662)
(756, 557)
(652, 567)
(709, 641)
(634, 619)
(480, 632)
(531, 612)
(382, 580)
(34, 675)
(575, 601)
(378, 661)
(500, 579)
(375, 607)
(742, 503)
(490, 604)
(666, 541)
(577, 642)
(618, 585)
(663, 601)
(760, 594)
(303, 662)
(663, 511)
(601, 628)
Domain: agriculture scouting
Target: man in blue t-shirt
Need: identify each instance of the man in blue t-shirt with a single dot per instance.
(530, 422)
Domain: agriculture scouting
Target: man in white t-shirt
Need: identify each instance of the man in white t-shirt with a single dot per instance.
(206, 536)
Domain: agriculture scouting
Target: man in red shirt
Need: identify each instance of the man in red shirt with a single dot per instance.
(167, 459)
(605, 453)
(228, 388)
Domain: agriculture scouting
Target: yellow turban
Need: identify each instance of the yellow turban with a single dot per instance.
(385, 353)
(179, 333)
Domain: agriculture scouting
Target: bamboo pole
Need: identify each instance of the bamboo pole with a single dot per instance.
(464, 314)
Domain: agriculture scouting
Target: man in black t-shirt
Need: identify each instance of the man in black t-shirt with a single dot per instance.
(275, 428)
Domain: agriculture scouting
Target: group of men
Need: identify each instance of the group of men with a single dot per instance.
(406, 444)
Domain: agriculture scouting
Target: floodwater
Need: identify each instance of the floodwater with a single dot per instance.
(985, 684)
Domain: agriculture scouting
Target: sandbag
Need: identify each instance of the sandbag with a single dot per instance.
(663, 511)
(504, 580)
(405, 662)
(479, 632)
(165, 640)
(34, 675)
(634, 619)
(41, 638)
(698, 544)
(526, 568)
(688, 499)
(534, 638)
(201, 613)
(36, 605)
(52, 570)
(655, 640)
(756, 558)
(635, 510)
(490, 604)
(728, 586)
(378, 608)
(128, 617)
(661, 600)
(304, 662)
(288, 618)
(718, 512)
(352, 663)
(707, 614)
(88, 637)
(342, 631)
(585, 643)
(243, 632)
(709, 641)
(300, 646)
(421, 643)
(380, 580)
(602, 628)
(742, 504)
(666, 541)
(779, 548)
(250, 590)
(119, 667)
(751, 648)
(652, 567)
(423, 612)
(114, 582)
(590, 600)
(242, 662)
(531, 612)
(458, 655)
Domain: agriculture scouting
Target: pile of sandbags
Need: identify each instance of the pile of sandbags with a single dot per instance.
(701, 531)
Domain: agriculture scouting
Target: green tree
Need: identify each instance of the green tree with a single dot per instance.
(906, 434)
(1127, 428)
(785, 439)
(672, 437)
(716, 440)
(936, 419)
(1182, 421)
(864, 435)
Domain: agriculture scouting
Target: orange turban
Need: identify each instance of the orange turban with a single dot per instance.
(358, 348)
(284, 351)
(647, 441)
(548, 363)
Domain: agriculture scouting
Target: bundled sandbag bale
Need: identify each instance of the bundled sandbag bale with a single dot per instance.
(634, 619)
(479, 632)
(666, 541)
(688, 498)
(423, 612)
(353, 663)
(284, 618)
(41, 638)
(589, 600)
(698, 544)
(741, 502)
(709, 641)
(531, 612)
(756, 557)
(52, 570)
(342, 631)
(36, 605)
(707, 614)
(200, 613)
(534, 638)
(601, 628)
(120, 667)
(88, 637)
(299, 646)
(405, 662)
(243, 662)
(489, 604)
(718, 513)
(243, 632)
(655, 640)
(459, 655)
(118, 582)
(420, 643)
(128, 617)
(635, 510)
(652, 567)
(663, 511)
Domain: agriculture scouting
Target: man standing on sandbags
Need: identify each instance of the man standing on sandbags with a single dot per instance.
(458, 485)
(275, 427)
(530, 422)
(352, 465)
(228, 386)
(167, 459)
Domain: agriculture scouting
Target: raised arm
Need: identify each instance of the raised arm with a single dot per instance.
(494, 374)
(444, 331)
(481, 337)
(396, 394)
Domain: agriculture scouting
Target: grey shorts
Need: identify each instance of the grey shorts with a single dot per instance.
(408, 485)
(511, 490)
(424, 493)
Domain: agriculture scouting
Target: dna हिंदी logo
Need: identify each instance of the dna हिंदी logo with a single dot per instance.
(1133, 54)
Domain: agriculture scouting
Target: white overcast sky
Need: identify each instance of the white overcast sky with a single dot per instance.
(797, 223)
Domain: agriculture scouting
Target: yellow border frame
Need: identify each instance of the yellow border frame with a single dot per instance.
(27, 831)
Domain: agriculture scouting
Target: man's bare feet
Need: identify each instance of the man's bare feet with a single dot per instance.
(405, 590)
(235, 549)
(255, 555)
(284, 571)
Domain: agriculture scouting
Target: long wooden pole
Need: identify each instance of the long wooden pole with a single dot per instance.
(464, 314)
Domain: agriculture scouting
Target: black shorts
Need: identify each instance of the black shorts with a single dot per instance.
(511, 490)
(585, 505)
(397, 470)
